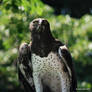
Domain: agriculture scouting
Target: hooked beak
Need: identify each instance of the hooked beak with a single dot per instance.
(39, 25)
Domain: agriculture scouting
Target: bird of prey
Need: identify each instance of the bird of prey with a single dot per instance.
(45, 64)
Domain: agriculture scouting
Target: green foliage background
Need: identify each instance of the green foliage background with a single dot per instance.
(15, 16)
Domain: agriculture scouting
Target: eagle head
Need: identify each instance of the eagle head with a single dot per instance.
(40, 28)
(39, 25)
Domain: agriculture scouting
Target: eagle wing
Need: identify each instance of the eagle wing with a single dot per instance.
(67, 59)
(24, 66)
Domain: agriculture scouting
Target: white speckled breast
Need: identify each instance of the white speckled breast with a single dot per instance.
(51, 62)
(49, 69)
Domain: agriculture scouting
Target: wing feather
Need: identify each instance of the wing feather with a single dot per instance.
(24, 66)
(66, 56)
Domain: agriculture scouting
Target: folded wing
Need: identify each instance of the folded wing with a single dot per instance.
(24, 66)
(67, 59)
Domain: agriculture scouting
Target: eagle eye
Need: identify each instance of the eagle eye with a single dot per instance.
(45, 22)
(36, 22)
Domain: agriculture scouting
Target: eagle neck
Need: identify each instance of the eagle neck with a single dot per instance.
(42, 46)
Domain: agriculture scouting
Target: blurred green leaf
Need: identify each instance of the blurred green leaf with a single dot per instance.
(15, 16)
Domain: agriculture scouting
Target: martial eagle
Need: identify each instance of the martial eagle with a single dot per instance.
(45, 64)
